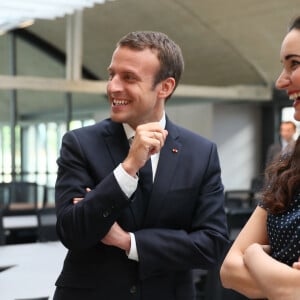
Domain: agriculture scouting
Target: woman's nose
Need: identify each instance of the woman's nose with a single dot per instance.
(283, 81)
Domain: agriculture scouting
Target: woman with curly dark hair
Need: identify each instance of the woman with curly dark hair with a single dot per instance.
(263, 262)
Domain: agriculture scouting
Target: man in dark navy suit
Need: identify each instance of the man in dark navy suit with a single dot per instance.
(285, 145)
(129, 235)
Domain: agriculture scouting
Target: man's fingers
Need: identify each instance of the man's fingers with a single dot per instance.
(76, 200)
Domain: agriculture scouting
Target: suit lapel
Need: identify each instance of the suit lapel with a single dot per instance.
(118, 147)
(116, 142)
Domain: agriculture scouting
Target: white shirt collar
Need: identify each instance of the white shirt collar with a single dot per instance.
(130, 132)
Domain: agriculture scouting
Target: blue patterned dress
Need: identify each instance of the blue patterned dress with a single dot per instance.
(284, 233)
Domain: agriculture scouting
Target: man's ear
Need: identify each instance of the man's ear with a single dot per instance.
(167, 87)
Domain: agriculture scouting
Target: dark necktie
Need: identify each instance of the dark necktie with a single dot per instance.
(145, 183)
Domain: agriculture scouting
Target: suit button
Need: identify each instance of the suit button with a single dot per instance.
(132, 290)
(107, 213)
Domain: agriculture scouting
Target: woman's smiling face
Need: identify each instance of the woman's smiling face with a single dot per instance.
(289, 79)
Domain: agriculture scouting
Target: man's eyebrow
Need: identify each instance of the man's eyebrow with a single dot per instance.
(287, 57)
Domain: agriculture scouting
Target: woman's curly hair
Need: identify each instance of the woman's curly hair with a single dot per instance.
(282, 178)
(282, 181)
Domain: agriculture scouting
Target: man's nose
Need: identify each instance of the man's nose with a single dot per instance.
(114, 84)
(283, 81)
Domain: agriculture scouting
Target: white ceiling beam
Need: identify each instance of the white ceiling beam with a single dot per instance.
(74, 46)
(52, 84)
(230, 93)
(237, 92)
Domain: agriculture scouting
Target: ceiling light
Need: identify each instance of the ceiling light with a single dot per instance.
(20, 13)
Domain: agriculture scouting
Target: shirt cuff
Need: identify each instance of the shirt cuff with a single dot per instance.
(127, 183)
(132, 254)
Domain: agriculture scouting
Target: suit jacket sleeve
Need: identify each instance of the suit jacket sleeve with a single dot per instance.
(83, 225)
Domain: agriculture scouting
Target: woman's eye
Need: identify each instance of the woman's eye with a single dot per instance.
(294, 64)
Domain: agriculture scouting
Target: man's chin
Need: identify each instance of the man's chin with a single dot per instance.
(117, 119)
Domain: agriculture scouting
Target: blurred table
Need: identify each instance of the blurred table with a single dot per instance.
(20, 221)
(30, 270)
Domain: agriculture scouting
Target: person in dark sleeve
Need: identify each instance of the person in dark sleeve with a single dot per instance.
(285, 145)
(139, 199)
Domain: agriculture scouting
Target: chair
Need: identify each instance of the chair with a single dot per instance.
(257, 184)
(2, 230)
(22, 202)
(4, 194)
(22, 198)
(238, 198)
(47, 224)
(49, 196)
(23, 195)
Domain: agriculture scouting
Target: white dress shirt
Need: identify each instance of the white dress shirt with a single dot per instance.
(128, 184)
